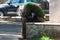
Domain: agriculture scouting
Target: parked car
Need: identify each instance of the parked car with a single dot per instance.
(44, 4)
(14, 7)
(9, 8)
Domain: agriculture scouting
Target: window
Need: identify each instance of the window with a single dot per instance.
(22, 1)
(28, 0)
(15, 1)
(38, 1)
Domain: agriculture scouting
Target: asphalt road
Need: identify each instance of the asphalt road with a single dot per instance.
(9, 29)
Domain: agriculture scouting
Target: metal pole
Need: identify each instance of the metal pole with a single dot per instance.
(24, 28)
(23, 24)
(25, 1)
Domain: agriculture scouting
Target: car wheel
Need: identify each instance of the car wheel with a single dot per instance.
(1, 14)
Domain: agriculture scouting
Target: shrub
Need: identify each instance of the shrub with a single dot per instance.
(30, 8)
(43, 38)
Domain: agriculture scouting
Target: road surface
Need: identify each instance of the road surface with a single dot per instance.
(10, 30)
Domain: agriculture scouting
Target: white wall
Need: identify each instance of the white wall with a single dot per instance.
(55, 11)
